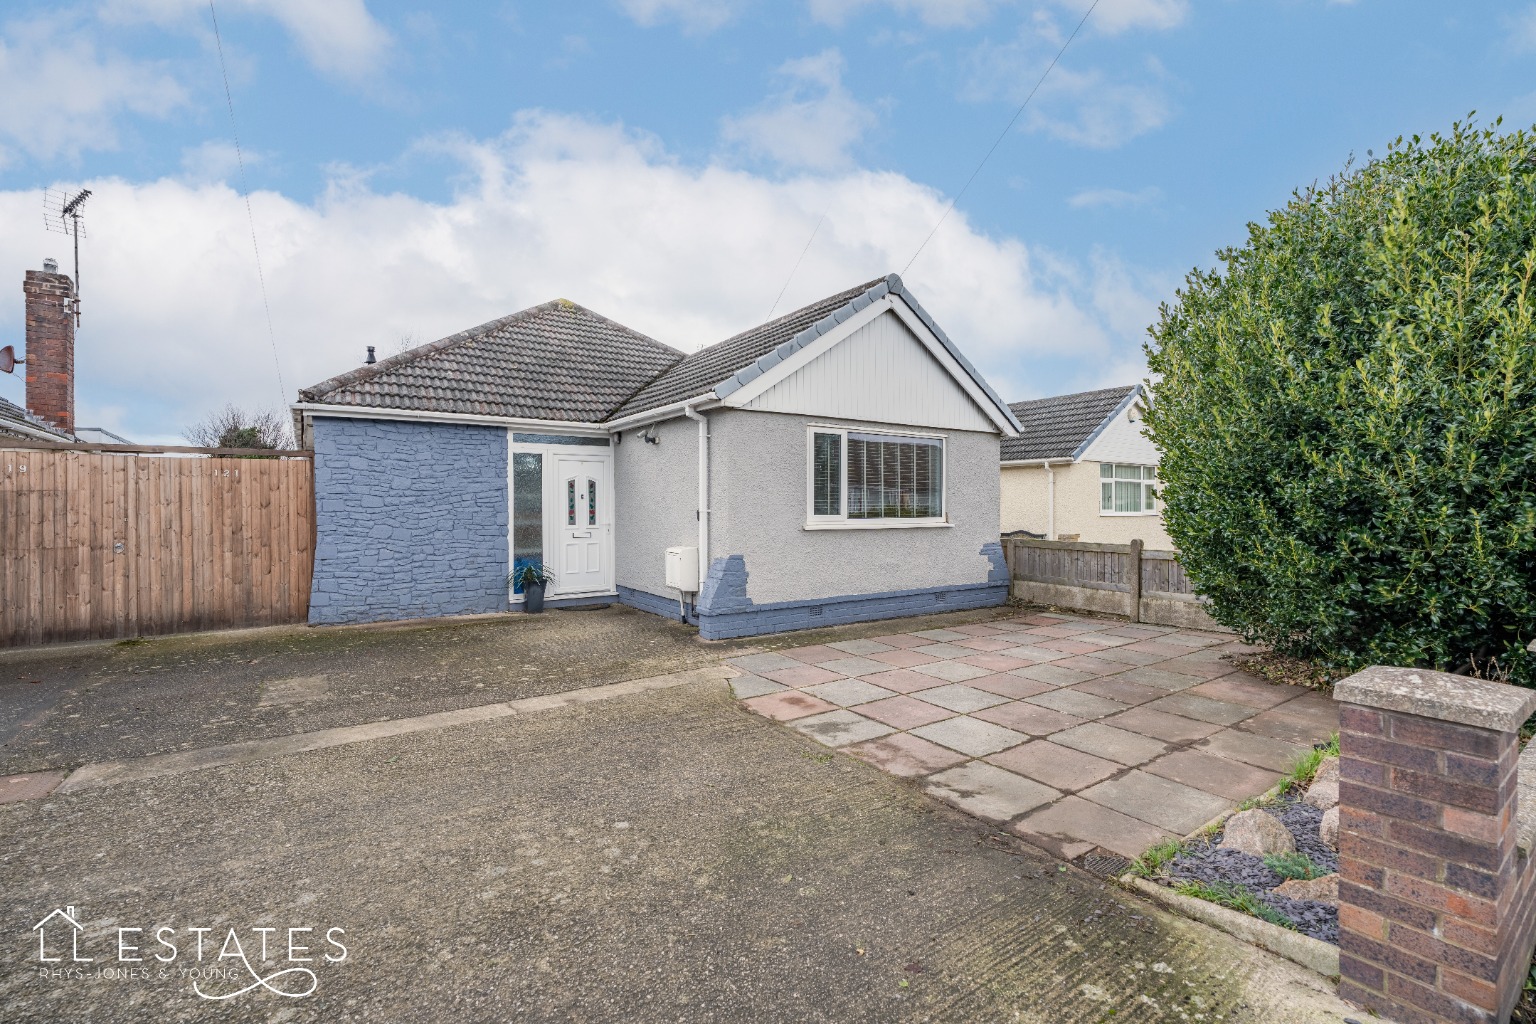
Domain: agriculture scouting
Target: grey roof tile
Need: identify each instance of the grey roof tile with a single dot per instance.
(557, 361)
(699, 373)
(17, 422)
(1054, 428)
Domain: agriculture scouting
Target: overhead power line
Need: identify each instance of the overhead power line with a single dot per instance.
(1003, 135)
(245, 192)
(796, 267)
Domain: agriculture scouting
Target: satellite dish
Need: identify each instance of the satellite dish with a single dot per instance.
(8, 359)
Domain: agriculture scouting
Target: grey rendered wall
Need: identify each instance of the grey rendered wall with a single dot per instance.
(410, 520)
(757, 465)
(656, 491)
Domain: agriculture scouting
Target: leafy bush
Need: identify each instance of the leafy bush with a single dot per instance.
(1347, 413)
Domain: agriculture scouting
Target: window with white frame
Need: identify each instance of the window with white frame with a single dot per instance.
(1126, 490)
(865, 478)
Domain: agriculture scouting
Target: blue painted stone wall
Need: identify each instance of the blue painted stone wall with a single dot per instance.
(410, 520)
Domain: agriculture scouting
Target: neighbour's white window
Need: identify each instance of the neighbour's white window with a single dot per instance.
(1127, 490)
(859, 477)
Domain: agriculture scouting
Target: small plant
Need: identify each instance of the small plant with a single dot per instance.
(1233, 897)
(1293, 866)
(528, 575)
(1305, 769)
(1152, 862)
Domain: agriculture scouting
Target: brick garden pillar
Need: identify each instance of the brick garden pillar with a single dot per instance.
(1435, 897)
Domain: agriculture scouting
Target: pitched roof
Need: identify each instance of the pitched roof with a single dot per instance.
(1058, 428)
(557, 361)
(17, 422)
(726, 367)
(698, 373)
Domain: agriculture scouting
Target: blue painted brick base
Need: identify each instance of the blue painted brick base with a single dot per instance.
(836, 611)
(666, 607)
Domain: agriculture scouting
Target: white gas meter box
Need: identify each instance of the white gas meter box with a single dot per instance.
(683, 569)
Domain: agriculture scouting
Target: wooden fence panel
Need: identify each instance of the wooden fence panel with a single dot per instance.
(1145, 586)
(104, 545)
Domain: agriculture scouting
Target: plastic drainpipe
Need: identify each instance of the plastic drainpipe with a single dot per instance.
(1050, 502)
(703, 423)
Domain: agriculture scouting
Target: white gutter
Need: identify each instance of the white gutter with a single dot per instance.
(28, 430)
(703, 422)
(662, 412)
(363, 412)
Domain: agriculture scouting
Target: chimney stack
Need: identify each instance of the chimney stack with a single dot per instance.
(50, 301)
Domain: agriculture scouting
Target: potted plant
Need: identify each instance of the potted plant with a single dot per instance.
(531, 578)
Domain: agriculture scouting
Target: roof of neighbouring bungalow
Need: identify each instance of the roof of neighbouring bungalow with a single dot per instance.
(1061, 427)
(17, 422)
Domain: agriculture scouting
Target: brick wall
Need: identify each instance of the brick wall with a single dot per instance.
(410, 520)
(50, 347)
(1435, 897)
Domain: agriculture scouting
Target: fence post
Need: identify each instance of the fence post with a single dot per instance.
(1436, 899)
(1135, 563)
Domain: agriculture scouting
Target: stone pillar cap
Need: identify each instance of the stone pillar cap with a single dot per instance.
(1439, 695)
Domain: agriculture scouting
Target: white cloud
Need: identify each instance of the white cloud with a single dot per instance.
(63, 94)
(694, 15)
(338, 37)
(1522, 30)
(173, 321)
(1088, 107)
(1095, 198)
(1114, 16)
(939, 13)
(811, 124)
(214, 161)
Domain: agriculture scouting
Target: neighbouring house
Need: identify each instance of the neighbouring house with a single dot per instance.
(1083, 468)
(17, 422)
(837, 464)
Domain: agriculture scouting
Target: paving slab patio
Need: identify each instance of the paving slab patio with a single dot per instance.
(1077, 734)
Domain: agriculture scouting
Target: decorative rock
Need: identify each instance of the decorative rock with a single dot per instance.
(1324, 791)
(1256, 833)
(1322, 890)
(1328, 829)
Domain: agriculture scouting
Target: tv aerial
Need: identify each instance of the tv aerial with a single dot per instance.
(62, 214)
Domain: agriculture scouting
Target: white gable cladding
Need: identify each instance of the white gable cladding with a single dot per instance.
(880, 373)
(1122, 440)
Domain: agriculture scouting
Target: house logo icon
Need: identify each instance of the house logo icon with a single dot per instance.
(49, 924)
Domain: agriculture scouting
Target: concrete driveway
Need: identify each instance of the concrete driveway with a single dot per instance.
(647, 852)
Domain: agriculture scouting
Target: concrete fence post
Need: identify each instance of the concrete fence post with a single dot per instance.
(1135, 567)
(1436, 907)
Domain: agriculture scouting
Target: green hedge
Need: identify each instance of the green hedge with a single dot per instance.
(1347, 413)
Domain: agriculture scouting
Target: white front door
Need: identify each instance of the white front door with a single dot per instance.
(583, 525)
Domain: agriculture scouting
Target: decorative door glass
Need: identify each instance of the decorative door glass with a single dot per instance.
(527, 513)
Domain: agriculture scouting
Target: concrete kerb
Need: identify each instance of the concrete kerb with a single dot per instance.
(1313, 954)
(111, 773)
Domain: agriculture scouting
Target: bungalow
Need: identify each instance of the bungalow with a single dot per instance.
(1083, 468)
(837, 464)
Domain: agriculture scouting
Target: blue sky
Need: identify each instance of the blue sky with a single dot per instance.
(420, 168)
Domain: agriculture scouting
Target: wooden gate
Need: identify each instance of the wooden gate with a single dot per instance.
(98, 543)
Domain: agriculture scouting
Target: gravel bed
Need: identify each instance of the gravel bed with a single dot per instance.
(1206, 862)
